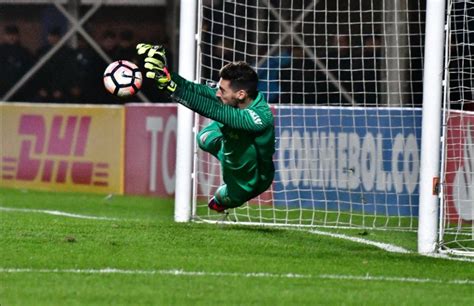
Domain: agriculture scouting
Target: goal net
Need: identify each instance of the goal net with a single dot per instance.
(344, 79)
(457, 203)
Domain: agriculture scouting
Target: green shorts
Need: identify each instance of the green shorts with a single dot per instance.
(240, 186)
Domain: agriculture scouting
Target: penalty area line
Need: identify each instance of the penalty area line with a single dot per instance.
(180, 272)
(386, 246)
(56, 213)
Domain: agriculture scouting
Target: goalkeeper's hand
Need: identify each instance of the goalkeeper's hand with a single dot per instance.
(156, 65)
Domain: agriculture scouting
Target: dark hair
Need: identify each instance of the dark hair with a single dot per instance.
(11, 29)
(126, 35)
(55, 31)
(241, 77)
(109, 34)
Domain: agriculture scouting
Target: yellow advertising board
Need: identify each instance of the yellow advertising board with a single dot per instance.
(62, 147)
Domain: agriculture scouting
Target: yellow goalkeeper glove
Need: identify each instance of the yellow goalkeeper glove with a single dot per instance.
(156, 65)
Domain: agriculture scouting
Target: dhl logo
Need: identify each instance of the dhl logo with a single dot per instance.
(56, 156)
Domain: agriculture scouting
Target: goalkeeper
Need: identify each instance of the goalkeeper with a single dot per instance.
(242, 135)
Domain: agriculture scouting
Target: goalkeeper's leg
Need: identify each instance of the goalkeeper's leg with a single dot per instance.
(222, 201)
(209, 139)
(231, 196)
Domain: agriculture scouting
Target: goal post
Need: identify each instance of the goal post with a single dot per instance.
(346, 104)
(456, 227)
(431, 126)
(184, 144)
(357, 132)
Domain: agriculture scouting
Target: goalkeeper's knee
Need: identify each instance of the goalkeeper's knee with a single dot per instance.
(222, 198)
(209, 141)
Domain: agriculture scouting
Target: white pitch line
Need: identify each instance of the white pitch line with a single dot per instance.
(55, 213)
(384, 246)
(180, 272)
(177, 272)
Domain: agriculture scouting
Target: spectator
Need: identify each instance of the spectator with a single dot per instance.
(109, 44)
(222, 54)
(339, 64)
(301, 82)
(126, 47)
(269, 74)
(55, 78)
(87, 80)
(15, 61)
(366, 78)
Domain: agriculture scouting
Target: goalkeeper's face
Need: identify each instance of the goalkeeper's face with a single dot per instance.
(229, 96)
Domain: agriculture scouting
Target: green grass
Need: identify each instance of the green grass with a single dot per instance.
(311, 217)
(218, 262)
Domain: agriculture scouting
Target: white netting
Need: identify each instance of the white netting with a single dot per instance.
(345, 81)
(457, 214)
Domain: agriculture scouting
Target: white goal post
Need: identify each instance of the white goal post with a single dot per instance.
(456, 226)
(430, 137)
(345, 82)
(184, 143)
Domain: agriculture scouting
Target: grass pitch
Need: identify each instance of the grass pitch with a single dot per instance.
(77, 249)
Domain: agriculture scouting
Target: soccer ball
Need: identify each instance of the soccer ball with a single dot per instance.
(122, 78)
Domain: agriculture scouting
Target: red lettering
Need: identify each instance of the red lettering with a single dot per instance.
(61, 145)
(82, 135)
(33, 125)
(81, 172)
(47, 171)
(68, 136)
(62, 171)
(28, 167)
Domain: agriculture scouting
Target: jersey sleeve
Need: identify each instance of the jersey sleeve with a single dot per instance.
(202, 100)
(198, 89)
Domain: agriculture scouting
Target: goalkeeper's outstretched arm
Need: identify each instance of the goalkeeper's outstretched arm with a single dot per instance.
(190, 95)
(200, 98)
(157, 68)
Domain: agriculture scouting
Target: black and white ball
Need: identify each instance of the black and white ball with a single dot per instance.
(122, 78)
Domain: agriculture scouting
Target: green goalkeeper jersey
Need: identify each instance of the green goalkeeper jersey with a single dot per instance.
(248, 137)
